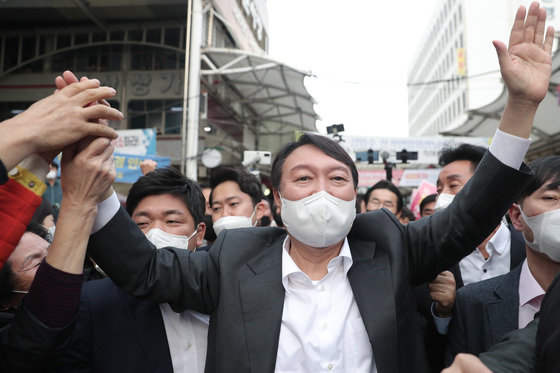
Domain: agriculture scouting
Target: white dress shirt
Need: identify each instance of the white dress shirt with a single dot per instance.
(474, 267)
(322, 329)
(187, 334)
(530, 296)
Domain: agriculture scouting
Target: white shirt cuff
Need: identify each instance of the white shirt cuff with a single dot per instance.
(36, 165)
(509, 149)
(442, 323)
(105, 212)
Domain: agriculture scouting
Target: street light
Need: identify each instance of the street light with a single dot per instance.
(388, 165)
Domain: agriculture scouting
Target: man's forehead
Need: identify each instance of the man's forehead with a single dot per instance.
(380, 193)
(462, 168)
(30, 241)
(226, 191)
(300, 158)
(160, 203)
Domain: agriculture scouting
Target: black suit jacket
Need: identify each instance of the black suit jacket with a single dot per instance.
(116, 332)
(484, 312)
(238, 282)
(435, 342)
(548, 334)
(533, 348)
(28, 345)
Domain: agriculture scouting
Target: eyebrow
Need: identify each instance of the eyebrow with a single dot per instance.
(227, 199)
(29, 258)
(167, 212)
(310, 167)
(552, 186)
(454, 176)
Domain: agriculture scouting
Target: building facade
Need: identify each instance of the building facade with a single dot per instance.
(138, 47)
(456, 70)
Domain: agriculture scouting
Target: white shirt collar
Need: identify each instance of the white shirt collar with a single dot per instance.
(529, 288)
(499, 241)
(289, 267)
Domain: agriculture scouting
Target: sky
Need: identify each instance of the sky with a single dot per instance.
(359, 53)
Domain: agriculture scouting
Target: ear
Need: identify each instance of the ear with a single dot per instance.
(515, 216)
(200, 231)
(259, 211)
(277, 201)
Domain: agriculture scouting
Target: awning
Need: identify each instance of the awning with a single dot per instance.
(275, 100)
(482, 122)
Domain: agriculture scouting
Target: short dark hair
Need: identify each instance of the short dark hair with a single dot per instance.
(428, 199)
(168, 180)
(7, 275)
(39, 230)
(323, 143)
(248, 183)
(45, 209)
(384, 184)
(546, 169)
(463, 152)
(406, 213)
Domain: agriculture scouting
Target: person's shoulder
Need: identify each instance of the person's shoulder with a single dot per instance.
(482, 290)
(375, 225)
(260, 234)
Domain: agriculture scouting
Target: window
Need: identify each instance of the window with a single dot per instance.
(163, 115)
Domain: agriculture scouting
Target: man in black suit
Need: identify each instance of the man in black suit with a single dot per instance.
(486, 310)
(334, 293)
(116, 332)
(531, 349)
(500, 252)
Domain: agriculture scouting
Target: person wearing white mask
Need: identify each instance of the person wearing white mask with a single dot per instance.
(504, 248)
(486, 310)
(333, 293)
(116, 332)
(53, 194)
(500, 252)
(235, 200)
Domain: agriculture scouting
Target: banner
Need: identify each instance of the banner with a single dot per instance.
(139, 142)
(128, 166)
(425, 189)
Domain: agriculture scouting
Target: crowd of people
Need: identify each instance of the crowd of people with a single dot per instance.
(218, 278)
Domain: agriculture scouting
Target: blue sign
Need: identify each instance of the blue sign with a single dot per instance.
(128, 166)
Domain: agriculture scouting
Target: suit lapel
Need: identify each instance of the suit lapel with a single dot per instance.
(370, 278)
(503, 312)
(150, 332)
(262, 302)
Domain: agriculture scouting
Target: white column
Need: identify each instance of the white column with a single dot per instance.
(193, 93)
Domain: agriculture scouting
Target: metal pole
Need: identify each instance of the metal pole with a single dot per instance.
(185, 91)
(194, 90)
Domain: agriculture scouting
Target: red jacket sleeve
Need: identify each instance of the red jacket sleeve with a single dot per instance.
(17, 206)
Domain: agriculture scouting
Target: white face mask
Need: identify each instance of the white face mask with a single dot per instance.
(319, 220)
(51, 231)
(232, 222)
(163, 239)
(51, 175)
(546, 233)
(443, 200)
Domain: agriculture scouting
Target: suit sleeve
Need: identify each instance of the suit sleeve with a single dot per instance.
(548, 335)
(515, 353)
(456, 338)
(184, 279)
(78, 356)
(441, 240)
